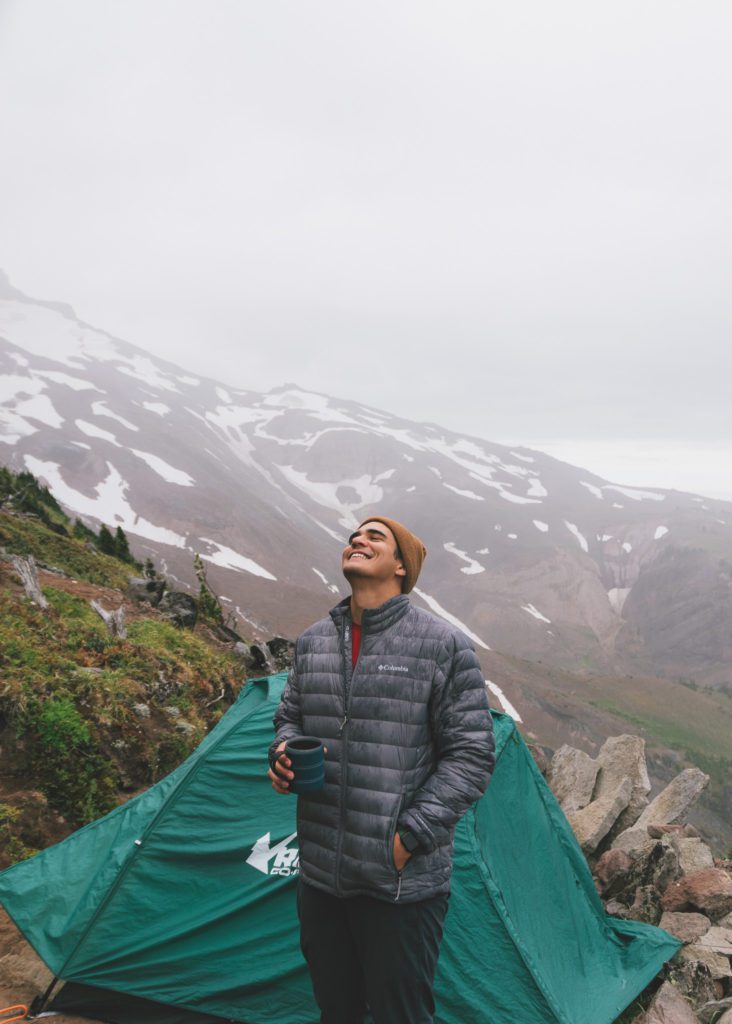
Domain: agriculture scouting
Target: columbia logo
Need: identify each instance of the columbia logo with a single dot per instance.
(393, 668)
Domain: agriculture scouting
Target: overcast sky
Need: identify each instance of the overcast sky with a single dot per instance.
(512, 219)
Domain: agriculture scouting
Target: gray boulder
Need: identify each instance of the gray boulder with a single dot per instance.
(687, 927)
(717, 963)
(140, 589)
(670, 804)
(694, 854)
(669, 1007)
(571, 776)
(593, 822)
(718, 939)
(179, 608)
(620, 758)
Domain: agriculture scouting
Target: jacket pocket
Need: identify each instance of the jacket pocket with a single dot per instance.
(390, 835)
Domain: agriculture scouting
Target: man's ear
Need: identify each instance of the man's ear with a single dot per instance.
(400, 570)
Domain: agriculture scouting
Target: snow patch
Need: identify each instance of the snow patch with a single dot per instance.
(452, 619)
(157, 407)
(483, 551)
(518, 500)
(40, 407)
(463, 494)
(503, 701)
(627, 546)
(592, 489)
(100, 409)
(542, 527)
(367, 492)
(76, 383)
(635, 493)
(661, 531)
(617, 597)
(12, 385)
(224, 396)
(523, 458)
(109, 506)
(575, 530)
(536, 613)
(169, 473)
(330, 586)
(512, 536)
(144, 369)
(472, 567)
(536, 488)
(230, 559)
(91, 430)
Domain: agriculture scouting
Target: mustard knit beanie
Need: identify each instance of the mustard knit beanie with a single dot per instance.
(411, 547)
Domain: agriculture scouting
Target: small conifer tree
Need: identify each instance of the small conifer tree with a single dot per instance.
(106, 541)
(208, 603)
(122, 547)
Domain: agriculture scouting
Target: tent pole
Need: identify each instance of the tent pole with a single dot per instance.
(39, 1003)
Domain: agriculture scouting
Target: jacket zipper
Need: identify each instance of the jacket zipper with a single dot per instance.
(348, 673)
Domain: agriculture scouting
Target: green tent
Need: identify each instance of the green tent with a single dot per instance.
(185, 896)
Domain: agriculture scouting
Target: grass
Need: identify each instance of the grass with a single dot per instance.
(70, 696)
(76, 558)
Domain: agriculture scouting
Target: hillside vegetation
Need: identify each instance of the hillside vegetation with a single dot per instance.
(87, 718)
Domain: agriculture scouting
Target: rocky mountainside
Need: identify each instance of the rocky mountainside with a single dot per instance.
(534, 558)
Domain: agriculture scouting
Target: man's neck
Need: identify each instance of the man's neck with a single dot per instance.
(368, 596)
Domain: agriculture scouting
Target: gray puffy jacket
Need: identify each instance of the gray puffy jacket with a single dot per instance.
(410, 745)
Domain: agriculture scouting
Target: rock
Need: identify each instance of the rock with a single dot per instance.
(179, 608)
(709, 891)
(593, 822)
(141, 710)
(611, 871)
(620, 758)
(693, 979)
(718, 939)
(646, 905)
(687, 927)
(691, 832)
(140, 589)
(616, 909)
(694, 855)
(172, 711)
(654, 865)
(669, 1007)
(282, 651)
(726, 1018)
(717, 963)
(262, 659)
(571, 777)
(726, 921)
(669, 805)
(656, 831)
(241, 650)
(710, 1012)
(542, 756)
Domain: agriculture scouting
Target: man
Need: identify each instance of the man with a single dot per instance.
(398, 698)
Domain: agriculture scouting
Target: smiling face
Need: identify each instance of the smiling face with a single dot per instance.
(372, 554)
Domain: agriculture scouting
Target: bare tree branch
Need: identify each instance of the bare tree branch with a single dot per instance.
(26, 569)
(114, 620)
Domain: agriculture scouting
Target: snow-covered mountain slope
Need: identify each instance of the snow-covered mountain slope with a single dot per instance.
(529, 555)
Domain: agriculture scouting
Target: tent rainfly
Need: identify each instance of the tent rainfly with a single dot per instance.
(183, 900)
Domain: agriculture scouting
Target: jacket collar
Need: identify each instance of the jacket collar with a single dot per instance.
(373, 620)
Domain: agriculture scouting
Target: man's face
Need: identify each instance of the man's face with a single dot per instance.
(371, 554)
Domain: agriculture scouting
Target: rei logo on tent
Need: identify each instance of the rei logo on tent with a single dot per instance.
(281, 859)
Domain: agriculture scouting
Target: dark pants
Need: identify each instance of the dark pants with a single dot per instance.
(366, 952)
